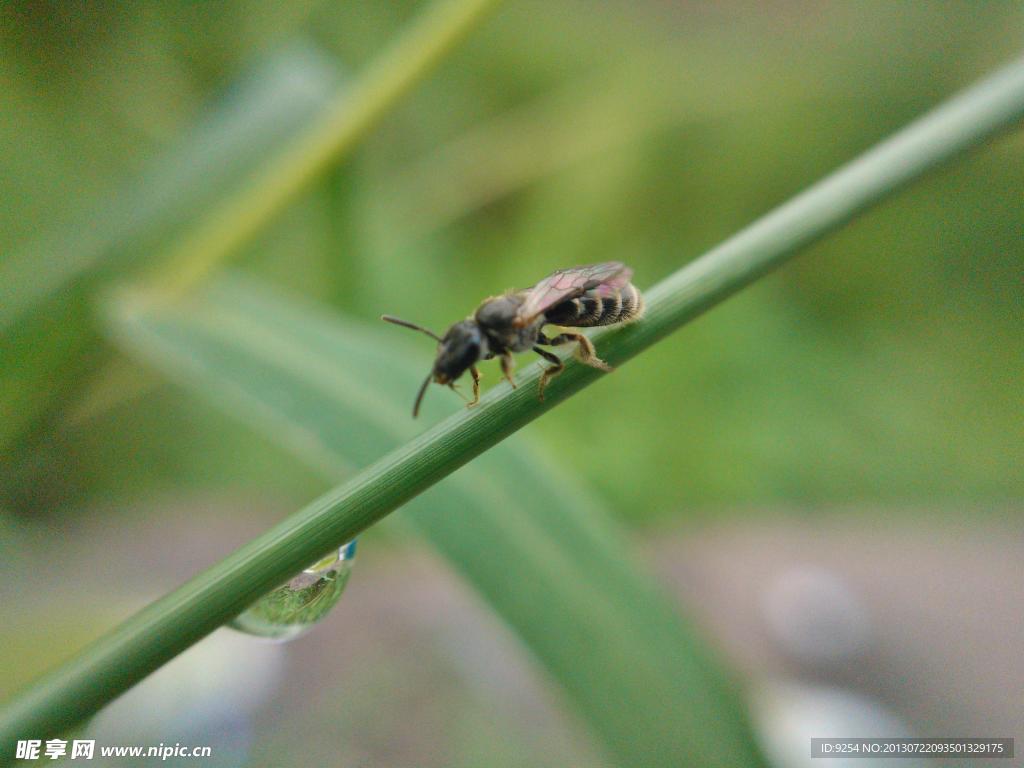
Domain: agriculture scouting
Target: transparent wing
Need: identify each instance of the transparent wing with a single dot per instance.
(565, 284)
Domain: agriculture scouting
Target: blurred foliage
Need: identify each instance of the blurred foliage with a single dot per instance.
(885, 365)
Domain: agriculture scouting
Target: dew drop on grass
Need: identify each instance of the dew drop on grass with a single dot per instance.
(294, 607)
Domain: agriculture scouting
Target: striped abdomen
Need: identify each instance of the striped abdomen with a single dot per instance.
(590, 309)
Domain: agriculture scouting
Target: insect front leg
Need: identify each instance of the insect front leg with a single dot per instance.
(585, 352)
(475, 373)
(507, 366)
(556, 368)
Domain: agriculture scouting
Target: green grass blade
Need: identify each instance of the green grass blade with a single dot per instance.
(165, 628)
(538, 547)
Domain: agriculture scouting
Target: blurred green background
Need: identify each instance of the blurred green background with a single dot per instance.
(883, 365)
(880, 374)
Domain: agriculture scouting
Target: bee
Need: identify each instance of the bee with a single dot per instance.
(579, 297)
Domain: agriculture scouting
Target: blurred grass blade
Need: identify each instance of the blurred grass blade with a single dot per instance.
(165, 628)
(47, 337)
(257, 113)
(536, 545)
(347, 119)
(596, 115)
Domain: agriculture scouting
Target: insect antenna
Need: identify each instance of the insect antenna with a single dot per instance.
(419, 395)
(407, 324)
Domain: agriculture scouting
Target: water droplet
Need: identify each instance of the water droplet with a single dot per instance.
(294, 607)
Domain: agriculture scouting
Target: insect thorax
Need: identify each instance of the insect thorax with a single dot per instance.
(497, 316)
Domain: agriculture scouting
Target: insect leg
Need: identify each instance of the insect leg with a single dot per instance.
(507, 366)
(585, 351)
(475, 373)
(555, 369)
(455, 388)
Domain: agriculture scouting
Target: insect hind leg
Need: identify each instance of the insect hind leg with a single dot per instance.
(557, 366)
(585, 351)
